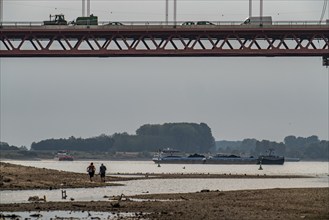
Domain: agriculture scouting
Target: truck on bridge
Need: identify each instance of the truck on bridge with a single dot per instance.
(58, 20)
(91, 20)
(265, 20)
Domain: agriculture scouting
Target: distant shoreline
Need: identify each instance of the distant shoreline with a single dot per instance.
(123, 159)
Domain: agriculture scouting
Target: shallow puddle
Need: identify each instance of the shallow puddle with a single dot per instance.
(69, 215)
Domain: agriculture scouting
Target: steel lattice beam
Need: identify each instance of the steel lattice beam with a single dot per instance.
(159, 41)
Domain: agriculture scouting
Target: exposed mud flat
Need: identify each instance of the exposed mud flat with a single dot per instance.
(310, 203)
(17, 177)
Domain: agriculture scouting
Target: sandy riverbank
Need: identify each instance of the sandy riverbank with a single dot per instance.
(248, 204)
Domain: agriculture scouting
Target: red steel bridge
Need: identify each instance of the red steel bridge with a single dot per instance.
(222, 40)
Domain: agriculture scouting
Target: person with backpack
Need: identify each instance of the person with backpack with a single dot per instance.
(102, 171)
(91, 171)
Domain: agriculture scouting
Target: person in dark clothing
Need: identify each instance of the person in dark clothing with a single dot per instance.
(102, 171)
(91, 171)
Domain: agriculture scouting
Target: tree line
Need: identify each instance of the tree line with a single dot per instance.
(188, 137)
(310, 148)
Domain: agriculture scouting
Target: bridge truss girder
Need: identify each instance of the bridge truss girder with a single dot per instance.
(102, 42)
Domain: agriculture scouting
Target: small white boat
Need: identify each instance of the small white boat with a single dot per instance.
(63, 155)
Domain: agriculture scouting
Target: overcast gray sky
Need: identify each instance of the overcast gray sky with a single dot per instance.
(263, 98)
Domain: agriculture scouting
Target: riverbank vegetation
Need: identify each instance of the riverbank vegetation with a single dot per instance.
(309, 148)
(186, 137)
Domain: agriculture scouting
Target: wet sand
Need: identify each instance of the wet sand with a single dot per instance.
(311, 203)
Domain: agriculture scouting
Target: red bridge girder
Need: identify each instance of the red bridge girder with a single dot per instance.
(98, 41)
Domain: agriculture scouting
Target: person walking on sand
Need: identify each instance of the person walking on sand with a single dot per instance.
(102, 171)
(91, 171)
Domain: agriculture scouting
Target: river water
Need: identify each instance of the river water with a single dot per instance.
(318, 170)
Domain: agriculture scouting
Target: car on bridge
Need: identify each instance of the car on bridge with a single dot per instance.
(204, 23)
(115, 23)
(188, 23)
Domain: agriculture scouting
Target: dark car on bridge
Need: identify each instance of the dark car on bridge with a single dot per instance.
(204, 23)
(187, 23)
(115, 23)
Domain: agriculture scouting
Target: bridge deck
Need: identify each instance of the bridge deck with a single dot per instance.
(164, 40)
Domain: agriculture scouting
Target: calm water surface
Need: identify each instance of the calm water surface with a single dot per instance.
(133, 167)
(319, 170)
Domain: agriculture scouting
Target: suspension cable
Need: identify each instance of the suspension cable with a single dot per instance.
(324, 8)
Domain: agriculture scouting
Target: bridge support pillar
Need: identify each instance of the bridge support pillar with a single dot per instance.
(325, 61)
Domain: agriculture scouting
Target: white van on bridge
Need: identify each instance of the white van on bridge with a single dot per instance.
(265, 20)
